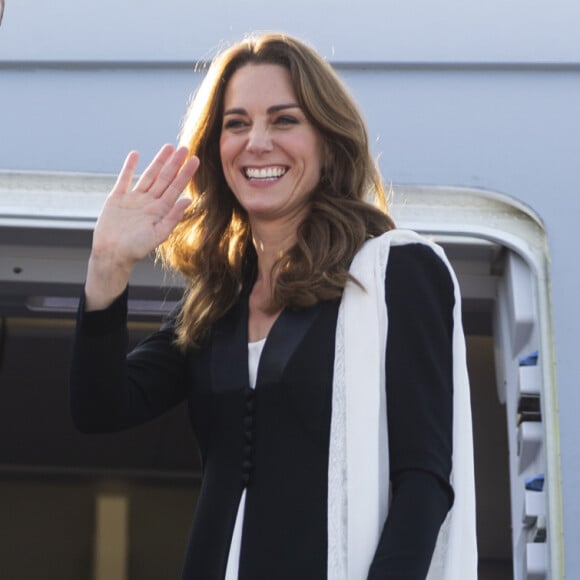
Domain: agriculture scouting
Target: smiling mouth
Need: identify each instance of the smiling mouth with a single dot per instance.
(264, 173)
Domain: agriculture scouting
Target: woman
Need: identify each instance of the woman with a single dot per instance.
(277, 173)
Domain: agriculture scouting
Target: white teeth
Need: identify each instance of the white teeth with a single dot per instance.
(264, 172)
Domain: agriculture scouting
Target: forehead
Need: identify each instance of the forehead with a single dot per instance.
(259, 84)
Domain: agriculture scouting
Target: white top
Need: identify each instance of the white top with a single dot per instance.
(254, 354)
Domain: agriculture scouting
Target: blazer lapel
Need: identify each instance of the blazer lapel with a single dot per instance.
(229, 354)
(229, 351)
(285, 335)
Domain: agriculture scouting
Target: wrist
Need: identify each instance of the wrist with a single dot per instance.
(106, 280)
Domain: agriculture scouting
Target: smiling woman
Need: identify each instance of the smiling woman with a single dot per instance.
(305, 312)
(305, 104)
(270, 152)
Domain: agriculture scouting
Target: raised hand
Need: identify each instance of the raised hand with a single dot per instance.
(134, 221)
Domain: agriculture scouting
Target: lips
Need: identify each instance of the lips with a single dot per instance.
(265, 173)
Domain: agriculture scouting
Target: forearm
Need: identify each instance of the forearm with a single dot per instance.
(420, 504)
(97, 373)
(110, 390)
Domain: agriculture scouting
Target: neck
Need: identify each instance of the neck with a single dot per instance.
(271, 239)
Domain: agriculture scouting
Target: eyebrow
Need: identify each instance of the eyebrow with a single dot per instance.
(269, 110)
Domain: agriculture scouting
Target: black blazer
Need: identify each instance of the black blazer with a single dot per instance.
(273, 441)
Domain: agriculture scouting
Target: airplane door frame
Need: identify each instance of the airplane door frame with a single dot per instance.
(524, 353)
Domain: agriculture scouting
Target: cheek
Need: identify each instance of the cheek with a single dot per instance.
(226, 157)
(223, 150)
(229, 171)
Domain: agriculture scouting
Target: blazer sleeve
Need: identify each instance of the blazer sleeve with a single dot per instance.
(111, 390)
(420, 300)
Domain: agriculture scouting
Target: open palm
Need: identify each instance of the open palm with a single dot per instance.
(135, 220)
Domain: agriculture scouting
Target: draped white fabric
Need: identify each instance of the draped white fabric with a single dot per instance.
(358, 477)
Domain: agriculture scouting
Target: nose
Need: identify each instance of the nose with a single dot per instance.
(259, 140)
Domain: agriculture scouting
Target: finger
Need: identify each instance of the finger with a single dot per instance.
(125, 177)
(150, 175)
(180, 180)
(169, 172)
(173, 217)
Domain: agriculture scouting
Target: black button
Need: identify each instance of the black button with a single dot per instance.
(248, 421)
(248, 450)
(247, 466)
(245, 479)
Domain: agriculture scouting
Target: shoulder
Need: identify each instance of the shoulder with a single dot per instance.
(408, 252)
(416, 272)
(417, 259)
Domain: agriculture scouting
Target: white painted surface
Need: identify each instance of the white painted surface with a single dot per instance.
(365, 30)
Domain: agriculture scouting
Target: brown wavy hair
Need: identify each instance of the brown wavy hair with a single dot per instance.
(212, 245)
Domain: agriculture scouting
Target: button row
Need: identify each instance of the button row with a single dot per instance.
(248, 449)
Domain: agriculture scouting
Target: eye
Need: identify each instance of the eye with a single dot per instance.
(286, 120)
(234, 124)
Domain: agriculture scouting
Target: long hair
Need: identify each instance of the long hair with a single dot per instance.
(212, 245)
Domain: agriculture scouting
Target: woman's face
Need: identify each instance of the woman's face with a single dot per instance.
(271, 155)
